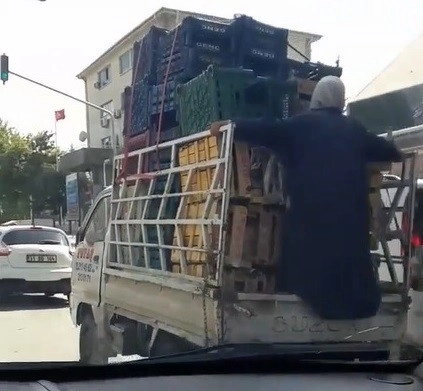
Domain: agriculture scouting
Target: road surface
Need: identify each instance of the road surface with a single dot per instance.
(37, 328)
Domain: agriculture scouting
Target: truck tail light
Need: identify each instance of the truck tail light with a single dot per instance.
(416, 240)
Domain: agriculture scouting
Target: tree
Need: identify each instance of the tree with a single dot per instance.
(14, 151)
(27, 168)
(44, 183)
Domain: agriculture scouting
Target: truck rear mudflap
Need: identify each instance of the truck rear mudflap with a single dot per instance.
(286, 319)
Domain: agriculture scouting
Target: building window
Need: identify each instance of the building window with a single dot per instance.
(125, 61)
(108, 106)
(104, 76)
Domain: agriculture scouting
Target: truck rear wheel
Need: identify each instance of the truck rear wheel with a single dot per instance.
(166, 344)
(89, 352)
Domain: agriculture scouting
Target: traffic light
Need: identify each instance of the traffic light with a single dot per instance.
(4, 68)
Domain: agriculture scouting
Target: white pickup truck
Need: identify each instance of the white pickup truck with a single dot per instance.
(158, 271)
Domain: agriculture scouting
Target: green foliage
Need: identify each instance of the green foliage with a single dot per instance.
(28, 169)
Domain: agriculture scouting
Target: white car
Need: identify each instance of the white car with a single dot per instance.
(34, 259)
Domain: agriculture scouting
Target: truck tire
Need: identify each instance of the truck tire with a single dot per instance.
(89, 352)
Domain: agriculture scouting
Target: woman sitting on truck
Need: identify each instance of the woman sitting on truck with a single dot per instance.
(326, 256)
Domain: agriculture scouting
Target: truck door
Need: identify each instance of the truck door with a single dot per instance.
(88, 258)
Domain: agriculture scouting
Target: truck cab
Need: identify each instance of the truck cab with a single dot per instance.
(88, 257)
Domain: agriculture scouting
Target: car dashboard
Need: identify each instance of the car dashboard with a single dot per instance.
(245, 382)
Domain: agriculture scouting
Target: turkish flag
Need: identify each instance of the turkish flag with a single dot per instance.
(59, 114)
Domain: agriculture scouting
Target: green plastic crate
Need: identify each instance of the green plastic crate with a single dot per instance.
(225, 93)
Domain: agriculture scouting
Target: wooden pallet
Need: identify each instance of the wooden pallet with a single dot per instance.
(305, 89)
(254, 237)
(255, 226)
(249, 169)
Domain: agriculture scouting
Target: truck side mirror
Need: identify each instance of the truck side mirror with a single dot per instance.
(92, 236)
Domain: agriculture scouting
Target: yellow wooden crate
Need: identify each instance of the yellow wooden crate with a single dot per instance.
(192, 234)
(196, 152)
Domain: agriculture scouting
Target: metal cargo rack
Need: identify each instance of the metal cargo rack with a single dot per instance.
(133, 214)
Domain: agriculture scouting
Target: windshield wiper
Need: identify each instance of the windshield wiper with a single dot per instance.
(343, 351)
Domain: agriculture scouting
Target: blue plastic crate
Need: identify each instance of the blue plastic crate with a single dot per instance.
(169, 120)
(278, 69)
(190, 62)
(193, 30)
(140, 109)
(248, 32)
(260, 47)
(146, 55)
(156, 98)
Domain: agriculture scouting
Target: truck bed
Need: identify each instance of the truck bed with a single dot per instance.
(184, 307)
(193, 278)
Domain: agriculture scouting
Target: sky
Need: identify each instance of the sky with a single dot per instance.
(52, 41)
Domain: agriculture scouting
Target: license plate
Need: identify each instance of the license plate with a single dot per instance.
(41, 258)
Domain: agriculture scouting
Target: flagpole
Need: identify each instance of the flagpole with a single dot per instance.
(57, 150)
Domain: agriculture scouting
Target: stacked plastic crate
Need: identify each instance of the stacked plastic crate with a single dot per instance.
(254, 86)
(198, 43)
(260, 47)
(225, 93)
(141, 129)
(144, 74)
(204, 71)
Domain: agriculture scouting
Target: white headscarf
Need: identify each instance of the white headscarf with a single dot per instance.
(328, 93)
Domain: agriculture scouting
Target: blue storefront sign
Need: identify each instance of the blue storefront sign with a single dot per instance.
(72, 197)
